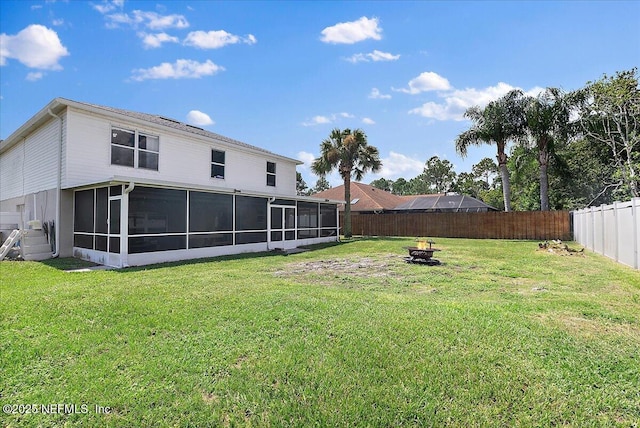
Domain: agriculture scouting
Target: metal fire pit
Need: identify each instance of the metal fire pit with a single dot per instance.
(422, 255)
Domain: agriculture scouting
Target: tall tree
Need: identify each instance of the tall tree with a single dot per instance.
(547, 121)
(468, 184)
(382, 184)
(485, 169)
(610, 116)
(401, 187)
(438, 175)
(322, 184)
(348, 152)
(499, 122)
(301, 186)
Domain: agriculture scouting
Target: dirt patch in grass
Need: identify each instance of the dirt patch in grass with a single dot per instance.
(381, 268)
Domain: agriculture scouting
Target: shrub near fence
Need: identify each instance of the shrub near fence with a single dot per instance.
(536, 225)
(611, 230)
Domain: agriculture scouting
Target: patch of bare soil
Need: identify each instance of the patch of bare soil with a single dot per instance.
(379, 267)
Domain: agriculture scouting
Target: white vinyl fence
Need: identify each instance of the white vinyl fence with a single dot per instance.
(611, 230)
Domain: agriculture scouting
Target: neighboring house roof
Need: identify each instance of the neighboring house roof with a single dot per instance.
(367, 198)
(363, 197)
(58, 104)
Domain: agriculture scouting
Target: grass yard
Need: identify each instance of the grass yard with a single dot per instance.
(346, 335)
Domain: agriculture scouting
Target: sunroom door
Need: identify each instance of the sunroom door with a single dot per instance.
(283, 225)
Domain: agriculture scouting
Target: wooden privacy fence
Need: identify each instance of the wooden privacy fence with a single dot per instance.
(537, 225)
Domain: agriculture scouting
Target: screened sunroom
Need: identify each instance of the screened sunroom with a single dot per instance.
(128, 224)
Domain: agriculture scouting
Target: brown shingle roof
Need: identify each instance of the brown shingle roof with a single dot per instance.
(368, 197)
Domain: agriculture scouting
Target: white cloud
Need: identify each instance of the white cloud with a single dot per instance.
(352, 32)
(307, 159)
(34, 75)
(155, 21)
(457, 101)
(427, 81)
(36, 6)
(107, 6)
(397, 165)
(375, 56)
(377, 95)
(368, 121)
(156, 40)
(334, 117)
(57, 22)
(199, 118)
(317, 120)
(436, 111)
(151, 20)
(181, 69)
(216, 39)
(36, 47)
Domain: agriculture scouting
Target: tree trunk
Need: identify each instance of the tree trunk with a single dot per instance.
(347, 205)
(544, 188)
(504, 174)
(543, 161)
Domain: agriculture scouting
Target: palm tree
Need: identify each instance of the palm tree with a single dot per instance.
(547, 120)
(500, 121)
(349, 153)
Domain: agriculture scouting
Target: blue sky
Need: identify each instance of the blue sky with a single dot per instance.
(281, 75)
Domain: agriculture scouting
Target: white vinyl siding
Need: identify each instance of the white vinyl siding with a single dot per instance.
(183, 159)
(32, 165)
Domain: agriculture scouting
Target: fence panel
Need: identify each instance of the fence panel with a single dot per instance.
(611, 230)
(489, 225)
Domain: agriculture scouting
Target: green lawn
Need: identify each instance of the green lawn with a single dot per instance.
(346, 335)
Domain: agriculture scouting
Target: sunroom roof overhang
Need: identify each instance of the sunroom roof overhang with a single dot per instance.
(118, 180)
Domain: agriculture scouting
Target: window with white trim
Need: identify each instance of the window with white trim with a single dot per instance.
(217, 163)
(271, 173)
(134, 149)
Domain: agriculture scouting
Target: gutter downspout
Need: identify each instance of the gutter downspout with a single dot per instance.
(129, 187)
(58, 186)
(124, 229)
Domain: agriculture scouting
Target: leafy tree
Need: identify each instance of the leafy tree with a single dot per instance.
(321, 185)
(301, 186)
(382, 184)
(468, 184)
(439, 174)
(547, 121)
(401, 187)
(610, 116)
(485, 169)
(348, 152)
(492, 197)
(500, 121)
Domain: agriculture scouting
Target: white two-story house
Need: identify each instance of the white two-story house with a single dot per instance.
(123, 188)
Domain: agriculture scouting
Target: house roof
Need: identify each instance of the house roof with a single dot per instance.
(58, 104)
(364, 197)
(367, 198)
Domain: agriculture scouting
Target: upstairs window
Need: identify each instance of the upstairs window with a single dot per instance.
(134, 149)
(271, 174)
(217, 164)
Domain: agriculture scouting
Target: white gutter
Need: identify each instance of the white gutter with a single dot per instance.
(58, 186)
